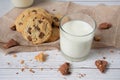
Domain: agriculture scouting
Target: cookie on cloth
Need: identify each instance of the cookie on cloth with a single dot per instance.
(37, 29)
(23, 17)
(55, 35)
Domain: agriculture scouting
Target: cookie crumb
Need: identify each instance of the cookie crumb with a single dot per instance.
(81, 75)
(104, 57)
(40, 57)
(14, 55)
(8, 63)
(26, 67)
(112, 51)
(105, 25)
(41, 69)
(17, 73)
(101, 65)
(97, 38)
(31, 71)
(22, 62)
(22, 69)
(54, 10)
(64, 69)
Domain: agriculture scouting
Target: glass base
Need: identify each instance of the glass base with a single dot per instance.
(74, 59)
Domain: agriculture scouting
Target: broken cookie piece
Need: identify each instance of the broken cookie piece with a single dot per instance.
(105, 25)
(22, 62)
(40, 57)
(64, 69)
(101, 65)
(32, 71)
(11, 43)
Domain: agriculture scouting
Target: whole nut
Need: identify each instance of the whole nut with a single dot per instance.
(11, 43)
(105, 25)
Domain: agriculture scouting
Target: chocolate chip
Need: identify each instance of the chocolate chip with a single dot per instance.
(37, 28)
(34, 11)
(43, 18)
(29, 38)
(56, 19)
(53, 25)
(35, 18)
(11, 43)
(23, 16)
(29, 30)
(13, 27)
(40, 21)
(20, 23)
(41, 35)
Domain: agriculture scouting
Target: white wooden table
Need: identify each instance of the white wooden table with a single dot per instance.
(10, 67)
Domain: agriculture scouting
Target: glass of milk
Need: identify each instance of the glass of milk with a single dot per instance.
(76, 35)
(22, 3)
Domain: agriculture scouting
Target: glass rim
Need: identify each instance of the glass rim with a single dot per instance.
(77, 19)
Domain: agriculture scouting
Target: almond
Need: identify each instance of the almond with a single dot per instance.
(11, 43)
(105, 25)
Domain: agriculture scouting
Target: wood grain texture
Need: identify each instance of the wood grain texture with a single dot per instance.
(53, 74)
(55, 59)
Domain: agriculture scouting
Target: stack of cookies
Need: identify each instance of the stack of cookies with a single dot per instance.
(38, 26)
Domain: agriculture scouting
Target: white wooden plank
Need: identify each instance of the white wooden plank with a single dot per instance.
(53, 74)
(55, 59)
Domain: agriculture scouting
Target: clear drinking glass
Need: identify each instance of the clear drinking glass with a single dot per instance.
(22, 3)
(76, 35)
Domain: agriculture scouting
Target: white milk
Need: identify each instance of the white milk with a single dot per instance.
(22, 3)
(76, 45)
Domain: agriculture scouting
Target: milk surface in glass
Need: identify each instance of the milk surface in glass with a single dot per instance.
(22, 3)
(76, 38)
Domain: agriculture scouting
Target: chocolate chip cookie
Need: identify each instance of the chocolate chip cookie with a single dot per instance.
(37, 29)
(23, 17)
(55, 35)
